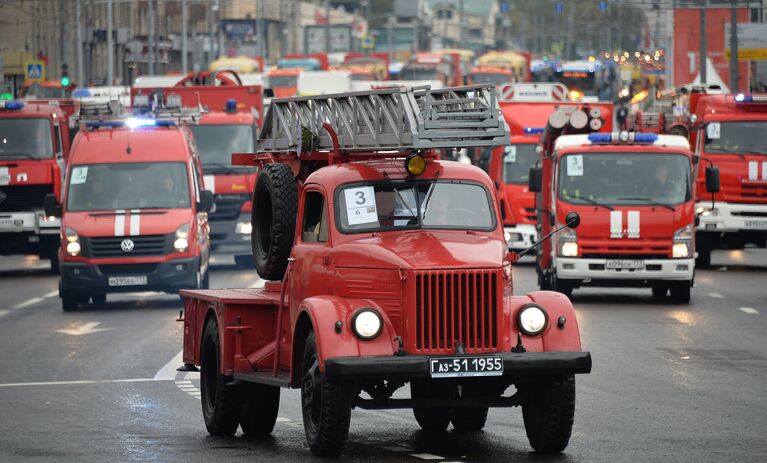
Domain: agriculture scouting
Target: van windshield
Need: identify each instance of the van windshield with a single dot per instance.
(135, 185)
(743, 137)
(25, 138)
(217, 142)
(517, 161)
(427, 204)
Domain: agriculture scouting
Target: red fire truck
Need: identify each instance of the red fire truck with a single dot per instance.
(229, 124)
(728, 134)
(526, 108)
(34, 146)
(133, 210)
(635, 194)
(434, 66)
(386, 267)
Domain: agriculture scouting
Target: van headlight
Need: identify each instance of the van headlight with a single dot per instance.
(682, 247)
(182, 238)
(73, 242)
(532, 319)
(367, 324)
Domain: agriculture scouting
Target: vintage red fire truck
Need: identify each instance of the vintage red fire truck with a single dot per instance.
(728, 134)
(134, 209)
(34, 146)
(526, 108)
(229, 124)
(386, 267)
(635, 194)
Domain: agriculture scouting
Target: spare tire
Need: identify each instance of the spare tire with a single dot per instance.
(275, 202)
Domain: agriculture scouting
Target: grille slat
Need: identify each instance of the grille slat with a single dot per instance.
(228, 207)
(128, 269)
(19, 198)
(456, 306)
(109, 246)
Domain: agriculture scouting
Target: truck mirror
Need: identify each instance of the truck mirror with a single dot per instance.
(535, 179)
(51, 205)
(206, 201)
(712, 179)
(572, 219)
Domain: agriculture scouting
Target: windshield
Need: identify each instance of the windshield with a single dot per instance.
(517, 161)
(283, 81)
(582, 81)
(412, 73)
(216, 143)
(135, 185)
(624, 178)
(25, 138)
(490, 78)
(40, 92)
(736, 137)
(382, 206)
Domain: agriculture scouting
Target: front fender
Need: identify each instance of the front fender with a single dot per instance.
(324, 312)
(553, 338)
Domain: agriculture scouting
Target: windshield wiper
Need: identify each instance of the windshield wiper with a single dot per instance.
(591, 201)
(399, 195)
(648, 201)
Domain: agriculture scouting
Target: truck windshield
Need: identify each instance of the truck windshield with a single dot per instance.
(517, 161)
(741, 137)
(418, 73)
(135, 185)
(625, 178)
(25, 138)
(490, 78)
(217, 142)
(290, 81)
(394, 205)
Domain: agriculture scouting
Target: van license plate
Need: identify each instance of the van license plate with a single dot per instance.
(756, 224)
(624, 264)
(128, 281)
(10, 224)
(452, 367)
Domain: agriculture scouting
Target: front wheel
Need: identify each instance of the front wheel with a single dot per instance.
(432, 419)
(326, 406)
(548, 410)
(221, 403)
(680, 292)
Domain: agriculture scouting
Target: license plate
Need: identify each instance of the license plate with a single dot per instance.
(128, 281)
(624, 264)
(11, 224)
(452, 367)
(756, 224)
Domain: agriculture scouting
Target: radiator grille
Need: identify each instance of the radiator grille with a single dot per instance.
(227, 207)
(456, 306)
(128, 269)
(18, 198)
(109, 246)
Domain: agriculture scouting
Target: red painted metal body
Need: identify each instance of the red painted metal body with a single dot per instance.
(434, 66)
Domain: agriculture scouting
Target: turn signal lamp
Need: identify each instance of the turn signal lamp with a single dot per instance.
(415, 165)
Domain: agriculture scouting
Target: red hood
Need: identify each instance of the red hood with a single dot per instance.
(741, 179)
(226, 184)
(421, 250)
(108, 223)
(27, 172)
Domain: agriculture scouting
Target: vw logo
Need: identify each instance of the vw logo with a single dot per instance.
(2, 196)
(126, 245)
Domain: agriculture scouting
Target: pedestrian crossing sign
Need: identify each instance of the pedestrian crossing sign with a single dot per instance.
(34, 71)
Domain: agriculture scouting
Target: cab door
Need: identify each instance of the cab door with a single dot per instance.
(308, 272)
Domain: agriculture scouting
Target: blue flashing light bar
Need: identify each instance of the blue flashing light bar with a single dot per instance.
(743, 98)
(533, 130)
(231, 105)
(11, 104)
(623, 137)
(132, 123)
(600, 137)
(645, 138)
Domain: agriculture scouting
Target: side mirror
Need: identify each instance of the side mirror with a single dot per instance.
(572, 219)
(51, 205)
(535, 179)
(712, 179)
(206, 201)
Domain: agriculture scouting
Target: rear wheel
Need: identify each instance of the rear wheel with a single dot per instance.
(221, 403)
(434, 419)
(259, 414)
(275, 202)
(548, 410)
(680, 292)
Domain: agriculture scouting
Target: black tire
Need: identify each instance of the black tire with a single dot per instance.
(659, 292)
(206, 280)
(259, 413)
(704, 257)
(432, 419)
(680, 292)
(326, 406)
(470, 418)
(275, 202)
(221, 403)
(548, 410)
(561, 286)
(54, 258)
(99, 299)
(244, 261)
(69, 302)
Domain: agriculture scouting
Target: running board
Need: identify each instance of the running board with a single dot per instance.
(265, 377)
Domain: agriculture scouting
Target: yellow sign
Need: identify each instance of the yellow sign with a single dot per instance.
(749, 54)
(34, 71)
(368, 41)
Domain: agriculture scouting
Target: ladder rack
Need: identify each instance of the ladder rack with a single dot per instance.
(385, 120)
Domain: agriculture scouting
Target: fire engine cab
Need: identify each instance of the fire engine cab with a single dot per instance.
(386, 267)
(134, 208)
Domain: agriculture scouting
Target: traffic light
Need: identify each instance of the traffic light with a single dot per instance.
(65, 76)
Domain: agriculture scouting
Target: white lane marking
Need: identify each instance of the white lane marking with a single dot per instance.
(427, 456)
(716, 295)
(3, 312)
(748, 310)
(168, 371)
(282, 419)
(86, 328)
(51, 294)
(258, 284)
(398, 448)
(27, 303)
(68, 383)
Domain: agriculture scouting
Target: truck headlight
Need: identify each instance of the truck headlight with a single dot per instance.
(682, 248)
(182, 234)
(243, 228)
(367, 324)
(73, 242)
(568, 244)
(532, 320)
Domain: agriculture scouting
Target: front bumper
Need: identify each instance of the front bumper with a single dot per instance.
(520, 237)
(417, 366)
(225, 239)
(732, 218)
(595, 271)
(169, 276)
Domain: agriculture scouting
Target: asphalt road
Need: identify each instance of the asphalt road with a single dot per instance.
(670, 382)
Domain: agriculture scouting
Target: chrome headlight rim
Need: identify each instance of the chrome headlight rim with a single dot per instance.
(521, 325)
(362, 312)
